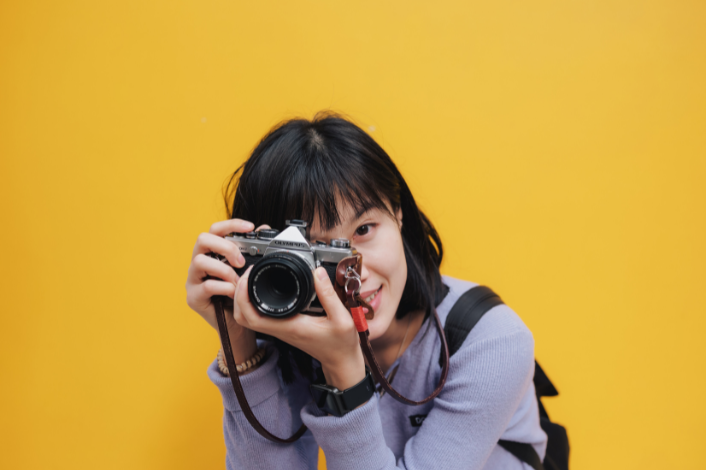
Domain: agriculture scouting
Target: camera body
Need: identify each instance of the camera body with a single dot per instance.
(281, 282)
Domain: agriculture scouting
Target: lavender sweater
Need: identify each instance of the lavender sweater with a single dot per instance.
(489, 395)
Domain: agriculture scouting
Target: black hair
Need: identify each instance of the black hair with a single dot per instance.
(302, 168)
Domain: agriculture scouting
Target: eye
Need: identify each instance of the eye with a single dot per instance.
(364, 229)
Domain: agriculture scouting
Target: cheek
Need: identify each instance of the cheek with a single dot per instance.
(389, 266)
(398, 269)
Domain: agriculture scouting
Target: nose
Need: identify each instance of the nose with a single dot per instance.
(364, 273)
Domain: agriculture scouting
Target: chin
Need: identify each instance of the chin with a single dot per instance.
(377, 327)
(385, 309)
(374, 331)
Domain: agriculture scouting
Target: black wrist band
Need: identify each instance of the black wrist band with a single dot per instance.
(338, 403)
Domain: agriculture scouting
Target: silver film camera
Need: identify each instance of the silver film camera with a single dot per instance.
(281, 282)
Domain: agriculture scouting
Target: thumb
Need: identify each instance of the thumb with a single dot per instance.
(332, 305)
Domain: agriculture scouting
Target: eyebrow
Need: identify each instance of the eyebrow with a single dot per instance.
(358, 215)
(362, 211)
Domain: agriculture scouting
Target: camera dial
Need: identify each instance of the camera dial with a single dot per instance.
(340, 243)
(267, 233)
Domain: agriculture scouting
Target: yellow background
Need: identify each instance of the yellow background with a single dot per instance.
(559, 147)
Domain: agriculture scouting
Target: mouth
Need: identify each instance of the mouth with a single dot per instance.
(369, 296)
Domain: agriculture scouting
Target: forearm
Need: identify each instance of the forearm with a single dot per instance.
(276, 408)
(353, 441)
(248, 449)
(242, 343)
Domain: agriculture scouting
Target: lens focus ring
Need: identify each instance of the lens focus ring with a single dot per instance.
(280, 285)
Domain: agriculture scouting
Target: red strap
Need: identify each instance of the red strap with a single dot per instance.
(361, 323)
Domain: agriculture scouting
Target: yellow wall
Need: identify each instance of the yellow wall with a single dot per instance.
(558, 146)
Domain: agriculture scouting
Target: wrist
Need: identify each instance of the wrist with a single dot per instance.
(340, 402)
(243, 368)
(242, 342)
(344, 374)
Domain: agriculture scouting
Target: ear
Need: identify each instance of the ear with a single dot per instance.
(398, 216)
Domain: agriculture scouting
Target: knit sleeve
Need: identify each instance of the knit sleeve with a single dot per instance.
(276, 406)
(487, 380)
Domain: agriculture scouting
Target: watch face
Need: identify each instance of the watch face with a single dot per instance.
(327, 399)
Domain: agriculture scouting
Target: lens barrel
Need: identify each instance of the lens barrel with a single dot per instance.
(280, 285)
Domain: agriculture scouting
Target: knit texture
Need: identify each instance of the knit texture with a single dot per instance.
(489, 395)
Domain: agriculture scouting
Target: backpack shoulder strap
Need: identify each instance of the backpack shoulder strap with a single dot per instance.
(466, 312)
(524, 452)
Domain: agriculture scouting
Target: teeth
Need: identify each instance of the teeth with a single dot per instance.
(372, 296)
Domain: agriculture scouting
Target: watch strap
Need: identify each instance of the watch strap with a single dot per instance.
(338, 403)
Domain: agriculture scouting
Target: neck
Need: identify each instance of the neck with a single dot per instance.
(394, 341)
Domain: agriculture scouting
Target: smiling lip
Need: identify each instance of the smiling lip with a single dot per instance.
(365, 295)
(375, 303)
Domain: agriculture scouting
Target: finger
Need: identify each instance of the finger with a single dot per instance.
(199, 298)
(208, 242)
(224, 227)
(262, 227)
(212, 287)
(204, 265)
(243, 310)
(332, 305)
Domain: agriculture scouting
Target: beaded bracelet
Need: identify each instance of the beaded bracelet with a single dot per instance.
(250, 363)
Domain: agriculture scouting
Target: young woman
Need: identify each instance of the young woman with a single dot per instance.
(333, 175)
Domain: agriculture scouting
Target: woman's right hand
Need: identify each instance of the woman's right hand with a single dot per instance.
(199, 289)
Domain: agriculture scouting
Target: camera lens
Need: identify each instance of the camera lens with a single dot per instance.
(280, 285)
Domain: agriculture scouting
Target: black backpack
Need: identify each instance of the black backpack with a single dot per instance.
(464, 315)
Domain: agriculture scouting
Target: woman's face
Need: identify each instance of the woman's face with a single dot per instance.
(377, 236)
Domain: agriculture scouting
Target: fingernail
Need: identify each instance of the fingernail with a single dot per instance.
(321, 273)
(241, 259)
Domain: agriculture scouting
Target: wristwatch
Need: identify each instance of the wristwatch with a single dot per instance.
(338, 403)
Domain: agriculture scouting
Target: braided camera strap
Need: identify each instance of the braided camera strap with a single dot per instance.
(363, 333)
(235, 380)
(347, 273)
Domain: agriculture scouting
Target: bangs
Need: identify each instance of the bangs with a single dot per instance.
(313, 172)
(322, 186)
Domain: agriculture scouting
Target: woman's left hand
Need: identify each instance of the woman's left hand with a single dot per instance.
(332, 340)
